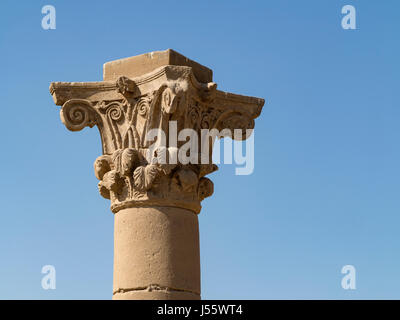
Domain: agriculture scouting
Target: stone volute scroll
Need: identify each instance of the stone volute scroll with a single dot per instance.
(151, 189)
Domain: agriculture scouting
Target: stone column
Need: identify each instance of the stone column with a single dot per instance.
(155, 185)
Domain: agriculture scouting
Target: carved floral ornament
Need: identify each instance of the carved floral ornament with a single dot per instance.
(126, 110)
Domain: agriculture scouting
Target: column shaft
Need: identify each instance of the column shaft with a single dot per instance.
(156, 254)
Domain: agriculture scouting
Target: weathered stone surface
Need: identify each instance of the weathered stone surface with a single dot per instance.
(126, 109)
(162, 245)
(136, 66)
(155, 202)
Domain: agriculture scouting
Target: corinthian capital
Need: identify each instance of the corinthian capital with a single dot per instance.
(134, 170)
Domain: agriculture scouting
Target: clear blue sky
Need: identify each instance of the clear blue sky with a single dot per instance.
(325, 191)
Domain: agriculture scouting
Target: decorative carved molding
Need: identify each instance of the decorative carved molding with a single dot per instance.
(125, 110)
